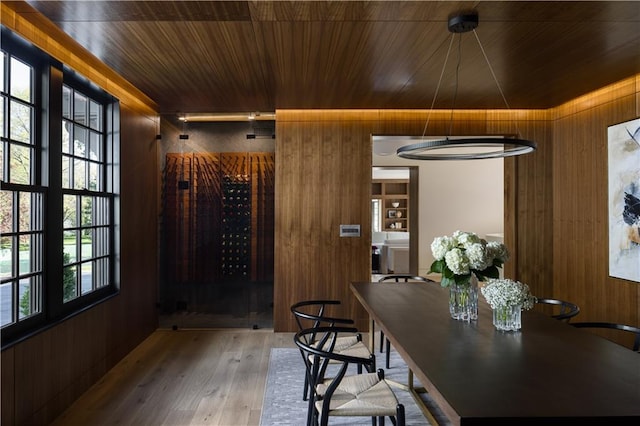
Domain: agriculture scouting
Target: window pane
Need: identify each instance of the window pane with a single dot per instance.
(80, 141)
(87, 211)
(70, 291)
(94, 177)
(20, 164)
(20, 122)
(21, 77)
(102, 211)
(6, 294)
(95, 146)
(66, 102)
(66, 172)
(101, 273)
(95, 111)
(3, 58)
(71, 245)
(79, 174)
(3, 100)
(25, 211)
(29, 296)
(80, 107)
(87, 244)
(6, 212)
(37, 211)
(2, 157)
(69, 211)
(6, 257)
(37, 251)
(66, 137)
(102, 241)
(24, 255)
(86, 278)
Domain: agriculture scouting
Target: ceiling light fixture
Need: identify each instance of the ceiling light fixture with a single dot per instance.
(229, 116)
(461, 148)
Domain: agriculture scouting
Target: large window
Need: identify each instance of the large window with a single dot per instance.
(86, 203)
(58, 191)
(21, 197)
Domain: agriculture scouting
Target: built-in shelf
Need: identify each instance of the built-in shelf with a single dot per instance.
(391, 192)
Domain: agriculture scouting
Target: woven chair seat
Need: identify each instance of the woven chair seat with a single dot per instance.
(360, 395)
(342, 342)
(347, 345)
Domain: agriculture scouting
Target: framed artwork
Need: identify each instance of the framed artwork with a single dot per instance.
(392, 214)
(624, 200)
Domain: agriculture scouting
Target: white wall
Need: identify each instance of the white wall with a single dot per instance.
(454, 195)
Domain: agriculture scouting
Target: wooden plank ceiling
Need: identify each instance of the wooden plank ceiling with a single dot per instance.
(232, 56)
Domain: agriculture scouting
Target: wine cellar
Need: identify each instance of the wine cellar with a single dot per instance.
(217, 222)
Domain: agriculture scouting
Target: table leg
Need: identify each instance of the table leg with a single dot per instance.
(415, 393)
(372, 340)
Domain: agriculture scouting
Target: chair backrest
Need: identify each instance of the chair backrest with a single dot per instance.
(614, 326)
(568, 310)
(310, 314)
(404, 278)
(316, 356)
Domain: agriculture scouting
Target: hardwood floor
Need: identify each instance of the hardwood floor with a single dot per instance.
(183, 377)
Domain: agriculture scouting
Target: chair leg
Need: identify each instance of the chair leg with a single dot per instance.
(388, 354)
(306, 388)
(311, 414)
(400, 415)
(381, 341)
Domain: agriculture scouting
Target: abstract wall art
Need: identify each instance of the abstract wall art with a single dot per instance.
(624, 200)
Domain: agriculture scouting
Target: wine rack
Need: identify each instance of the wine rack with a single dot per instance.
(236, 226)
(220, 228)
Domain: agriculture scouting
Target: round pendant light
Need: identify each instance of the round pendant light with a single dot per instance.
(461, 148)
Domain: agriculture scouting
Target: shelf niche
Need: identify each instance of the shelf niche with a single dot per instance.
(391, 191)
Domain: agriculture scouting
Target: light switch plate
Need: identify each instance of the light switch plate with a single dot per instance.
(349, 230)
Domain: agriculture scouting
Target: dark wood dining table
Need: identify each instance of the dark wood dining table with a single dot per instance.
(549, 372)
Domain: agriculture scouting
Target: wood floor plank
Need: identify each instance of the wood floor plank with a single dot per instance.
(184, 377)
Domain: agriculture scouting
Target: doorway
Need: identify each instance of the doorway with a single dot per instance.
(453, 195)
(217, 228)
(394, 219)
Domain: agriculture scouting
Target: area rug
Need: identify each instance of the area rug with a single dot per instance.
(283, 404)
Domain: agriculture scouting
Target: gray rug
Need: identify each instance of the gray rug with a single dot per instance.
(283, 404)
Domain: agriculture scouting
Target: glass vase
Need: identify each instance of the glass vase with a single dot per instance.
(508, 318)
(463, 300)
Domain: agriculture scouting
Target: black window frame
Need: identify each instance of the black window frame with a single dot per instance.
(49, 77)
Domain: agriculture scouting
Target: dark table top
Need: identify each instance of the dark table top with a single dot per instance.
(549, 371)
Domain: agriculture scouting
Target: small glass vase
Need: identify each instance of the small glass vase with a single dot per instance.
(463, 300)
(508, 318)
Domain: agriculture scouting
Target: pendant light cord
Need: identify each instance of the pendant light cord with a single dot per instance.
(493, 74)
(503, 147)
(435, 95)
(455, 92)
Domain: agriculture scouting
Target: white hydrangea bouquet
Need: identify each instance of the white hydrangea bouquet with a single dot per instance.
(463, 254)
(505, 293)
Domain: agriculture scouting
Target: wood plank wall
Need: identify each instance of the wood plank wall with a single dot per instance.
(555, 200)
(323, 179)
(580, 199)
(43, 375)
